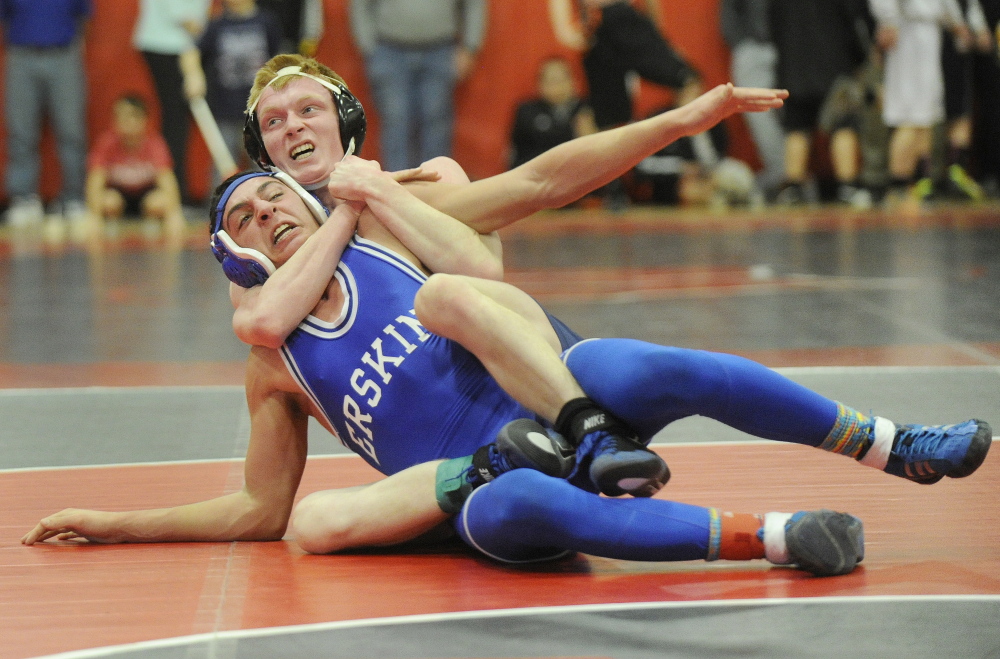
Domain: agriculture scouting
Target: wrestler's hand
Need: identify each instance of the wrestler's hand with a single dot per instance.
(354, 179)
(726, 100)
(76, 525)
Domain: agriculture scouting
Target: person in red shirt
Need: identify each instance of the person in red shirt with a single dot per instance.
(130, 172)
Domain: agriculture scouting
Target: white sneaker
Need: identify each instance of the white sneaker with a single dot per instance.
(25, 211)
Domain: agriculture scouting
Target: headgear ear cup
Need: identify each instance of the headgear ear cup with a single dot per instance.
(253, 142)
(243, 266)
(350, 113)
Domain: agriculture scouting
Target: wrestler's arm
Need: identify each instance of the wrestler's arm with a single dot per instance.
(439, 241)
(259, 511)
(265, 315)
(567, 172)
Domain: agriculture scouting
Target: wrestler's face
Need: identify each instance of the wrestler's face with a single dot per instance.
(266, 215)
(301, 129)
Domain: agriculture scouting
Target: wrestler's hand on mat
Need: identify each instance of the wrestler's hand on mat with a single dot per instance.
(76, 525)
(726, 100)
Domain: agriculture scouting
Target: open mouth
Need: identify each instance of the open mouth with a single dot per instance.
(280, 232)
(302, 151)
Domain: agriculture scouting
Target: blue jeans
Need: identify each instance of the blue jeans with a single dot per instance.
(40, 82)
(414, 95)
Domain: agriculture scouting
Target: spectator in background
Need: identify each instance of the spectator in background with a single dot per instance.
(616, 39)
(951, 171)
(909, 32)
(556, 115)
(619, 42)
(818, 42)
(44, 76)
(130, 172)
(234, 45)
(301, 24)
(165, 34)
(747, 30)
(986, 118)
(415, 53)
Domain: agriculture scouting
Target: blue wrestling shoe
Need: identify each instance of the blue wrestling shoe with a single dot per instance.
(609, 456)
(526, 444)
(824, 543)
(926, 454)
(620, 464)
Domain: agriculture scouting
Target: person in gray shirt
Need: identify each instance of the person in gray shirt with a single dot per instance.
(746, 29)
(415, 54)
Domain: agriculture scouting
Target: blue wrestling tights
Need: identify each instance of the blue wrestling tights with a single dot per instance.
(526, 516)
(649, 386)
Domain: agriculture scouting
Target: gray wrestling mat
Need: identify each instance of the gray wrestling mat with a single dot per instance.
(94, 426)
(935, 626)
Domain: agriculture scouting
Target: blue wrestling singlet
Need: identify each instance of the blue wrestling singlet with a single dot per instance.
(396, 394)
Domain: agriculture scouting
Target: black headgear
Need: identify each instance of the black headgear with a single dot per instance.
(352, 118)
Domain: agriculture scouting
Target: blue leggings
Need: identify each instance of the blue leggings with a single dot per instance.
(649, 386)
(525, 516)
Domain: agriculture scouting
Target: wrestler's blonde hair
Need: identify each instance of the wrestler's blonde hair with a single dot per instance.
(267, 74)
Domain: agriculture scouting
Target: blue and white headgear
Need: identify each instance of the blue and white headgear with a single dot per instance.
(244, 266)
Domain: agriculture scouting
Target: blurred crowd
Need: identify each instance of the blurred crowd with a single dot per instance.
(891, 100)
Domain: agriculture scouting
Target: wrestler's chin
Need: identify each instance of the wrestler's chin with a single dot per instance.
(311, 171)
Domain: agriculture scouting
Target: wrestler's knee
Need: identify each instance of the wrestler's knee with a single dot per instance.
(442, 303)
(319, 525)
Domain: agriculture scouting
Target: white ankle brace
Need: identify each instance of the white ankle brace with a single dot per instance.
(877, 456)
(775, 549)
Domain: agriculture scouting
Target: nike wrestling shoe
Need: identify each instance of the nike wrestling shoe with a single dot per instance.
(822, 542)
(926, 454)
(609, 453)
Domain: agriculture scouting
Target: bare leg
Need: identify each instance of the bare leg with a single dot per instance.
(907, 146)
(396, 509)
(844, 154)
(507, 331)
(796, 157)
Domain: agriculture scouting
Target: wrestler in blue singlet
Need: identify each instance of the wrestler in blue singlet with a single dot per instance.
(395, 393)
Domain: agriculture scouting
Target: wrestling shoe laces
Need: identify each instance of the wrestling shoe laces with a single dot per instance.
(926, 454)
(822, 542)
(618, 462)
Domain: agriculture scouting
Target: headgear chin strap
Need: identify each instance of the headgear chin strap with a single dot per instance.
(244, 266)
(350, 112)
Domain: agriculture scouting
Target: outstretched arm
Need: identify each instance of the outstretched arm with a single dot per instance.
(565, 173)
(440, 242)
(259, 511)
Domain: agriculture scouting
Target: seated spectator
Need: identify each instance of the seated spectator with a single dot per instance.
(557, 115)
(130, 172)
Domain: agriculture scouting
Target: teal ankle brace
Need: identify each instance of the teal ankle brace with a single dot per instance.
(453, 487)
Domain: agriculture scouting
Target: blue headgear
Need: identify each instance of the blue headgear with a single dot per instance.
(244, 266)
